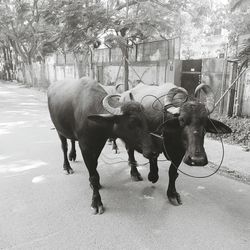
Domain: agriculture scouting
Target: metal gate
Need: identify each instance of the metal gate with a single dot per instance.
(191, 74)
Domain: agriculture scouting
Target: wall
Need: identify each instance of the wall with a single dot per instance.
(43, 73)
(153, 63)
(154, 70)
(151, 73)
(52, 69)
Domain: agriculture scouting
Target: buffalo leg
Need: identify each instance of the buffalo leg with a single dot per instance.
(66, 166)
(173, 195)
(135, 175)
(90, 158)
(112, 141)
(114, 146)
(153, 172)
(72, 154)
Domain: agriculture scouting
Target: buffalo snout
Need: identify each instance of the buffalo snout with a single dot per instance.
(196, 160)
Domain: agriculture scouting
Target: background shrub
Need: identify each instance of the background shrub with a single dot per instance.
(240, 129)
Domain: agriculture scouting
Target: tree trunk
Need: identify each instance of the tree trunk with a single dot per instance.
(31, 73)
(223, 82)
(8, 65)
(92, 70)
(126, 68)
(43, 81)
(24, 73)
(230, 103)
(82, 64)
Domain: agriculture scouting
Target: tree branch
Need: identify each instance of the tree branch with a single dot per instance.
(130, 3)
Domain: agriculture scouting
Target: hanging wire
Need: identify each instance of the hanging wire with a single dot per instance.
(193, 176)
(164, 146)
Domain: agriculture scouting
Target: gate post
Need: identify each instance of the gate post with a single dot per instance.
(230, 103)
(223, 82)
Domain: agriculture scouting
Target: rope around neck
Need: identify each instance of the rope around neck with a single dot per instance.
(164, 146)
(194, 176)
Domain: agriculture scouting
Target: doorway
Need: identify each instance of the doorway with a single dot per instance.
(191, 74)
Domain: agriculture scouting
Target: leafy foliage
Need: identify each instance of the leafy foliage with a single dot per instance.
(37, 28)
(23, 26)
(239, 20)
(143, 20)
(78, 23)
(240, 129)
(239, 24)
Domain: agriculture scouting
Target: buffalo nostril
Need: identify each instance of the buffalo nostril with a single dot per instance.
(198, 160)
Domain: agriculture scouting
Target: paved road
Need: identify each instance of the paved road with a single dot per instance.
(41, 208)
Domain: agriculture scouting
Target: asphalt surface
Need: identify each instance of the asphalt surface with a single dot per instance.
(41, 208)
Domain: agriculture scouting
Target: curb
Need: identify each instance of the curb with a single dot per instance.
(232, 174)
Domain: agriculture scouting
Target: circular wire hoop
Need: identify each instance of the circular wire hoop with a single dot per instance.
(199, 177)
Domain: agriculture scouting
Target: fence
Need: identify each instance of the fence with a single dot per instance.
(245, 101)
(153, 62)
(237, 101)
(55, 67)
(141, 52)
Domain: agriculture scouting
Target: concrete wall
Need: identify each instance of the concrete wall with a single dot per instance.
(47, 72)
(156, 73)
(43, 73)
(151, 72)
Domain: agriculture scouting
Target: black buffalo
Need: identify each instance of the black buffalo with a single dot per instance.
(181, 122)
(81, 111)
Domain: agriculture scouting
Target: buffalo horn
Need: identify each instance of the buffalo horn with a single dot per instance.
(169, 99)
(108, 107)
(118, 85)
(209, 99)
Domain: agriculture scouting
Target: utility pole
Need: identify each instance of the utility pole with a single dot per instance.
(231, 96)
(224, 80)
(125, 54)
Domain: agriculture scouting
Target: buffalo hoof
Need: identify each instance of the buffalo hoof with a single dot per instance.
(72, 156)
(97, 210)
(153, 177)
(136, 176)
(68, 171)
(97, 207)
(175, 199)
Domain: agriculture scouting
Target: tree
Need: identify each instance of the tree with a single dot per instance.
(200, 21)
(239, 24)
(136, 21)
(79, 22)
(79, 26)
(24, 28)
(6, 61)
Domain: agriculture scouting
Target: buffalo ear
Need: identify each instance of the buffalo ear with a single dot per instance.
(217, 127)
(104, 118)
(170, 126)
